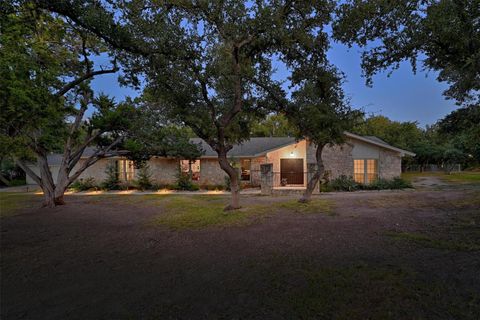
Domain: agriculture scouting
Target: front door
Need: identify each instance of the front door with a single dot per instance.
(292, 171)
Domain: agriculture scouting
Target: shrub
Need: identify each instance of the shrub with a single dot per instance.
(17, 182)
(144, 178)
(84, 184)
(212, 187)
(343, 183)
(111, 182)
(184, 182)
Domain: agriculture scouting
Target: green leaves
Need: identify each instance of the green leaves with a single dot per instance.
(445, 31)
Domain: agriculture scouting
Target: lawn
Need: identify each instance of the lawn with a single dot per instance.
(13, 203)
(469, 177)
(378, 255)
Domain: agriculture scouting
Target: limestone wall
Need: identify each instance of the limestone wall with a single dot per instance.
(338, 159)
(164, 171)
(211, 173)
(389, 164)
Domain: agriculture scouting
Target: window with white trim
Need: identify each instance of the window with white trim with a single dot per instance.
(365, 170)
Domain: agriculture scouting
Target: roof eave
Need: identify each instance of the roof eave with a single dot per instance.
(401, 151)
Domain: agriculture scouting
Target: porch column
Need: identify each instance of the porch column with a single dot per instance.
(311, 169)
(266, 178)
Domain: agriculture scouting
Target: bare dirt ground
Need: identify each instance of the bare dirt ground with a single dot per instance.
(372, 255)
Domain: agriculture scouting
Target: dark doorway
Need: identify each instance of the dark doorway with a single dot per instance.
(292, 171)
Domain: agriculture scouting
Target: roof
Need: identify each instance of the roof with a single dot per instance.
(254, 147)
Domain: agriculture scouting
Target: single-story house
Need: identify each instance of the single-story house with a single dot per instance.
(364, 158)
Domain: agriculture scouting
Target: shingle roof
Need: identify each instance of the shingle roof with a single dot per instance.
(249, 148)
(254, 147)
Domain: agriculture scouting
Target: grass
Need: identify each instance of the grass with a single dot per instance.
(457, 177)
(313, 207)
(307, 290)
(12, 203)
(462, 177)
(187, 212)
(429, 242)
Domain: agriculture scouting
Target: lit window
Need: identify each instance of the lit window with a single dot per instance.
(194, 166)
(365, 170)
(245, 165)
(126, 170)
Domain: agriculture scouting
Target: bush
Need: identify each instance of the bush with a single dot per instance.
(17, 182)
(144, 178)
(344, 183)
(184, 182)
(384, 184)
(111, 182)
(212, 187)
(84, 184)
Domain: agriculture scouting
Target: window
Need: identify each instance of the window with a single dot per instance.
(245, 165)
(126, 170)
(365, 170)
(187, 165)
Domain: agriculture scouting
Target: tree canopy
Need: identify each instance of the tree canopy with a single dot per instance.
(443, 34)
(46, 70)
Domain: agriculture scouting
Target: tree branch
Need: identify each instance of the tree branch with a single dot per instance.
(29, 171)
(79, 80)
(97, 155)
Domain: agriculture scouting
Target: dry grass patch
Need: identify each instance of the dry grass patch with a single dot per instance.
(196, 212)
(12, 203)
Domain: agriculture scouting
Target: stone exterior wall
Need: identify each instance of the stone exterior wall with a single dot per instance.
(211, 173)
(389, 164)
(96, 171)
(164, 171)
(338, 160)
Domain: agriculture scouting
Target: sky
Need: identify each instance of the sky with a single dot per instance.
(402, 97)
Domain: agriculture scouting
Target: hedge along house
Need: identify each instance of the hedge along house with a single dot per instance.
(363, 158)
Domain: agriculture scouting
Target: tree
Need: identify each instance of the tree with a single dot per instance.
(461, 129)
(45, 72)
(400, 134)
(445, 32)
(273, 125)
(321, 115)
(219, 76)
(45, 93)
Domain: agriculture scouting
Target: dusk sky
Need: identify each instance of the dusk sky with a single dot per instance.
(403, 96)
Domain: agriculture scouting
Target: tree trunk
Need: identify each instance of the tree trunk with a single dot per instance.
(307, 195)
(234, 183)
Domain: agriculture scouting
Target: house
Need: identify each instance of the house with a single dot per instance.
(365, 158)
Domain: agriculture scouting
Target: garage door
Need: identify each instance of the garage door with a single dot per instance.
(291, 170)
